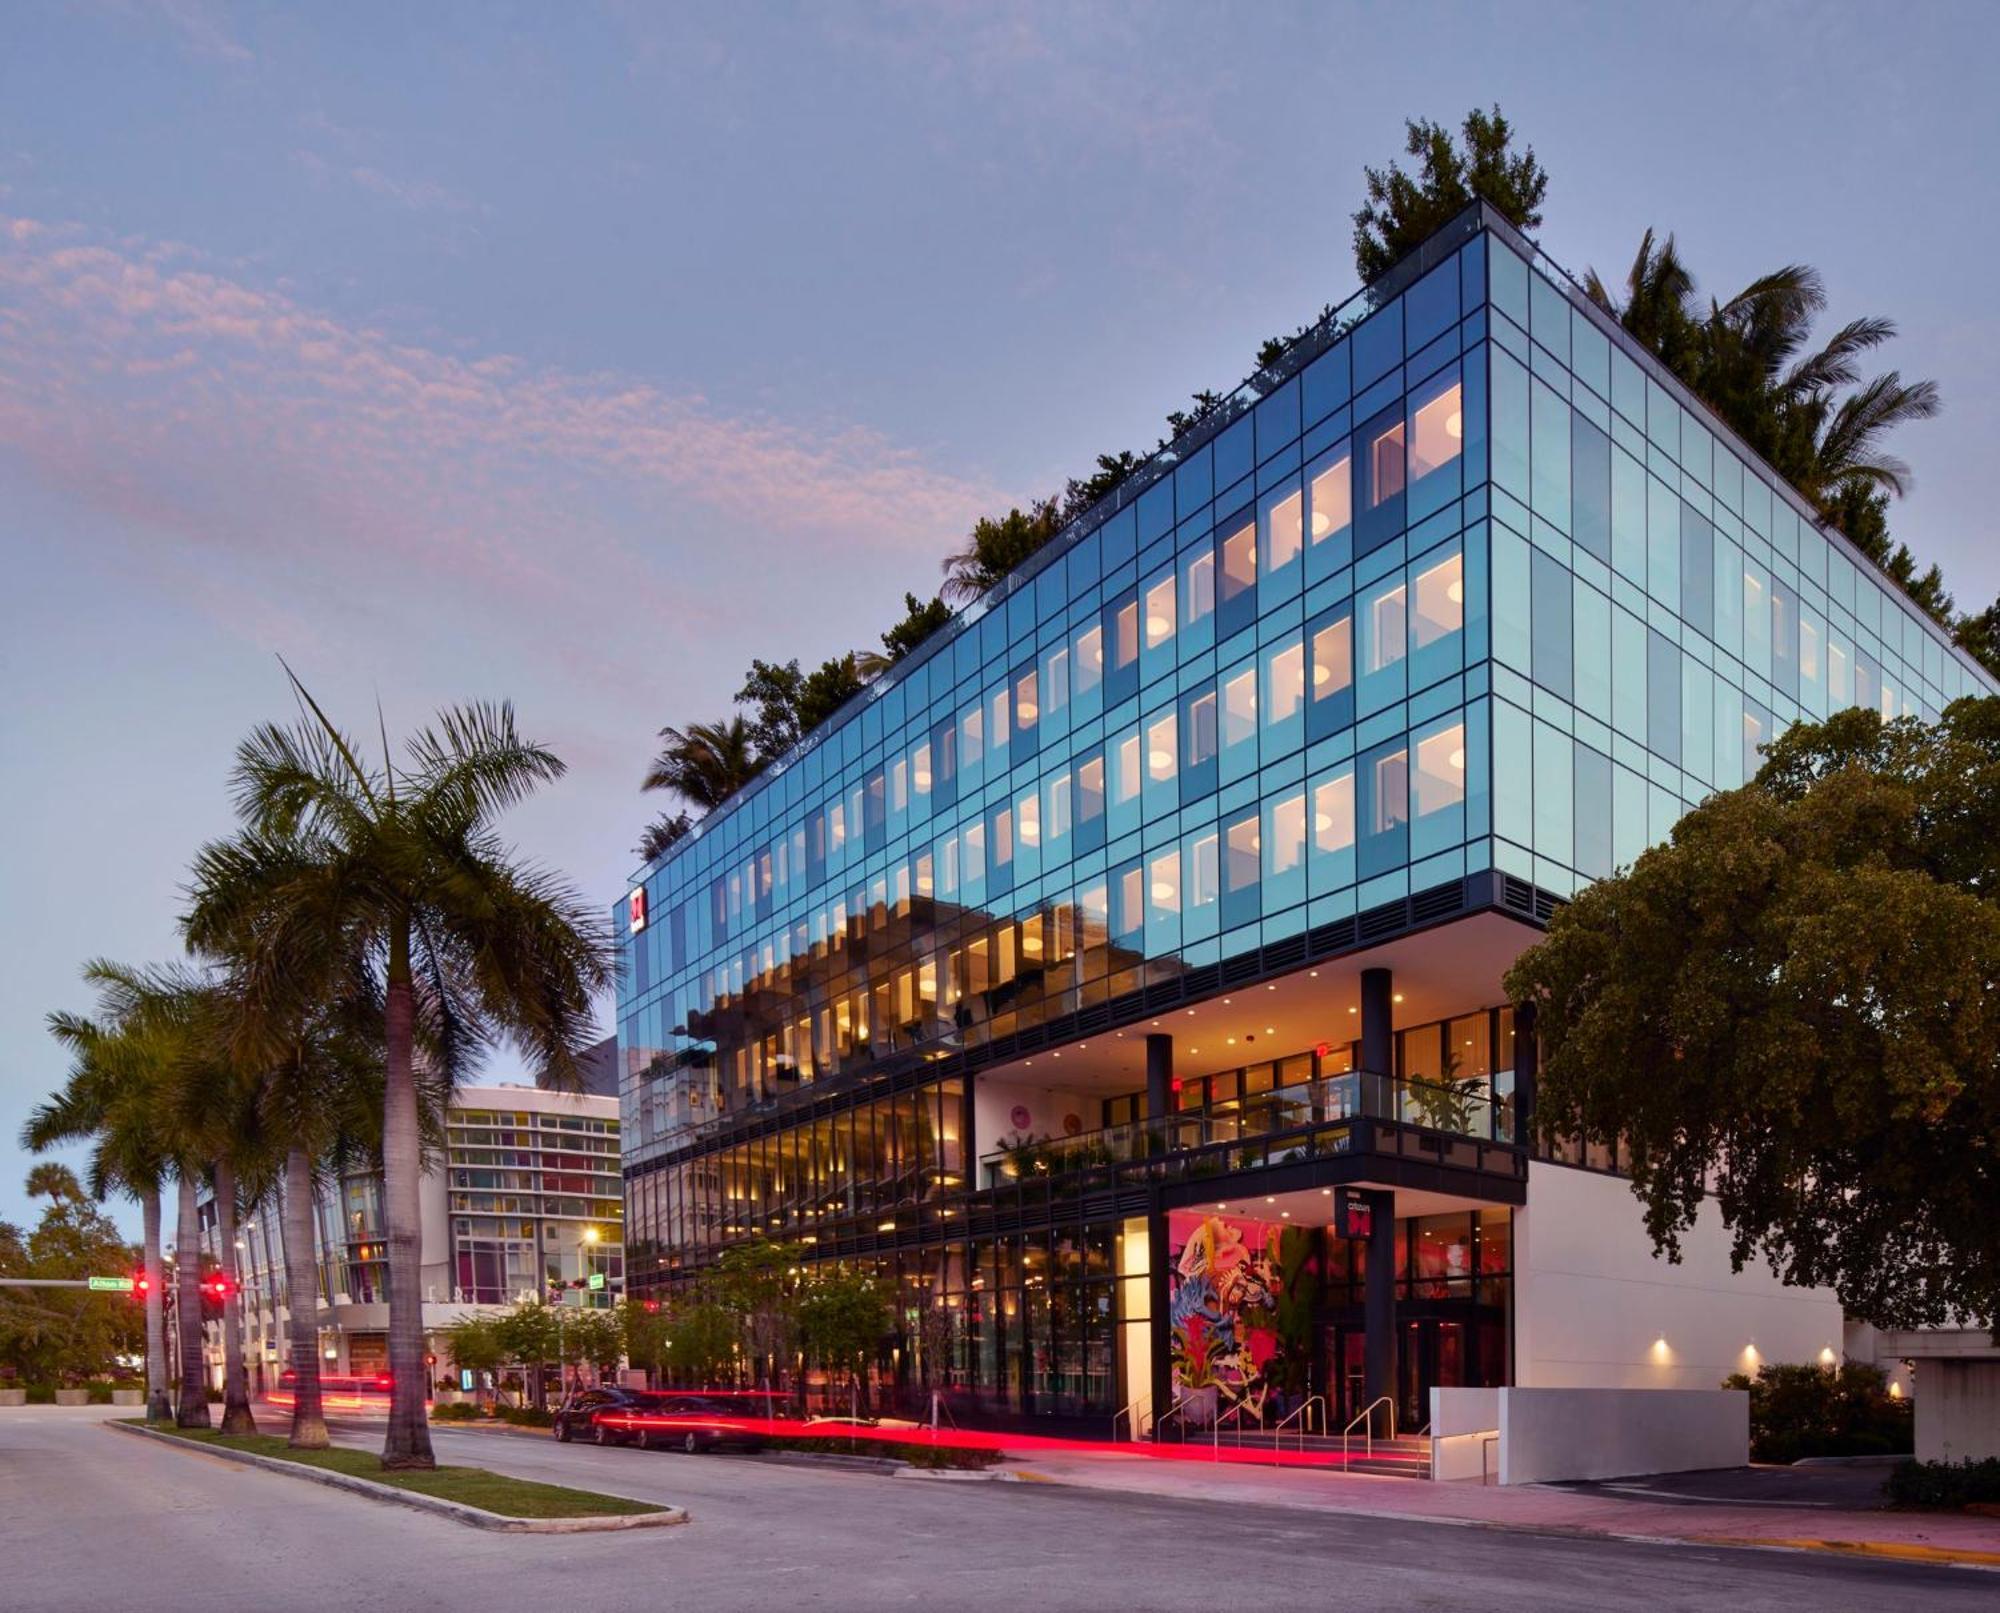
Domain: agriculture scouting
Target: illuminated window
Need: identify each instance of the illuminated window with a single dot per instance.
(1389, 804)
(1386, 628)
(1160, 612)
(1161, 744)
(1437, 432)
(1029, 813)
(1239, 563)
(1284, 531)
(1125, 781)
(1285, 687)
(1333, 659)
(1240, 859)
(971, 735)
(1332, 499)
(1440, 602)
(1125, 635)
(920, 768)
(1055, 679)
(1201, 733)
(1286, 849)
(1204, 871)
(1163, 883)
(1198, 597)
(1385, 465)
(1027, 701)
(1239, 707)
(1333, 813)
(1090, 790)
(1440, 776)
(1089, 659)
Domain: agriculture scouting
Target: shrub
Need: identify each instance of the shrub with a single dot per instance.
(1802, 1410)
(100, 1392)
(526, 1417)
(1944, 1485)
(41, 1394)
(464, 1412)
(916, 1453)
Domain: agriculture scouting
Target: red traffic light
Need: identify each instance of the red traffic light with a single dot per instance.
(217, 1286)
(141, 1285)
(652, 1307)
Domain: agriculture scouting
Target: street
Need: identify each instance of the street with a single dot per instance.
(91, 1519)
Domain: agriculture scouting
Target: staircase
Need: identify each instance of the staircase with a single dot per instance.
(1405, 1456)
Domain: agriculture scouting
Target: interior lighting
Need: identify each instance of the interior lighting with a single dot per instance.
(1457, 760)
(1161, 759)
(1454, 425)
(1157, 627)
(1322, 523)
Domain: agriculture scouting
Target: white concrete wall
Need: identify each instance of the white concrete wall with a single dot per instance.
(1594, 1308)
(1463, 1422)
(994, 1103)
(1555, 1434)
(1958, 1410)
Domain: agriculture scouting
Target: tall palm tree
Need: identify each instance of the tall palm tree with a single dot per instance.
(107, 1099)
(705, 763)
(397, 865)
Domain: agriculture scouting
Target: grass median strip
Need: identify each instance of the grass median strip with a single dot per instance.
(469, 1486)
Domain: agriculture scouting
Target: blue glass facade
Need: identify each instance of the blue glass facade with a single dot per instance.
(1473, 600)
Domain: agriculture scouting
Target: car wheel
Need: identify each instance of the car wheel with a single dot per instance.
(646, 1440)
(692, 1444)
(602, 1435)
(562, 1431)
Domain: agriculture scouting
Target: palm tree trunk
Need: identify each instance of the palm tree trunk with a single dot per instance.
(302, 1302)
(193, 1409)
(159, 1408)
(236, 1416)
(409, 1440)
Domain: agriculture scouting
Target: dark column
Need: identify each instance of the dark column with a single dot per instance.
(1378, 1042)
(1379, 1345)
(1527, 1070)
(1159, 1078)
(1159, 1297)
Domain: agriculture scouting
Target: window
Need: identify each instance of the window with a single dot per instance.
(1125, 780)
(1333, 813)
(1284, 531)
(1440, 776)
(1197, 587)
(1089, 659)
(1285, 682)
(1385, 464)
(1389, 795)
(1204, 870)
(1125, 635)
(1239, 563)
(1386, 630)
(1240, 864)
(1239, 707)
(1333, 659)
(1332, 491)
(1440, 602)
(1161, 743)
(1163, 883)
(1437, 432)
(1090, 790)
(1027, 701)
(1160, 612)
(1201, 730)
(1286, 849)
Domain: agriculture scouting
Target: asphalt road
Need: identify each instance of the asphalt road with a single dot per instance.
(91, 1519)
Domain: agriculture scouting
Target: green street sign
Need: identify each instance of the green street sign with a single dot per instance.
(596, 1279)
(111, 1285)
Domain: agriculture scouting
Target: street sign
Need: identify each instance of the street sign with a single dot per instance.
(596, 1279)
(111, 1285)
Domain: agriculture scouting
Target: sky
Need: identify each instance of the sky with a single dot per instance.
(576, 354)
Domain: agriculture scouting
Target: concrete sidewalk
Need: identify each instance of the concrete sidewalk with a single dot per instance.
(1910, 1536)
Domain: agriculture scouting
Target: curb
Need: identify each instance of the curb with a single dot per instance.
(1895, 1550)
(959, 1475)
(476, 1517)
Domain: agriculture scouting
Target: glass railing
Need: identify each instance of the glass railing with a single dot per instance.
(1458, 1108)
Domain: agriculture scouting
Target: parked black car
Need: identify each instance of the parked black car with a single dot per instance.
(576, 1417)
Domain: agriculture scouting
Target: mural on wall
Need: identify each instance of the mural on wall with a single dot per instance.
(1226, 1278)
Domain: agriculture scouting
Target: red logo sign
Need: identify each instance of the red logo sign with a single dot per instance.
(636, 908)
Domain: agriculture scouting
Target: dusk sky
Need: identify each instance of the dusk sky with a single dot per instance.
(576, 354)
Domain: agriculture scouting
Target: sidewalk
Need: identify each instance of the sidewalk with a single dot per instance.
(1912, 1536)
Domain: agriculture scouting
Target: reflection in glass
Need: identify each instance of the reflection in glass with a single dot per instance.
(1389, 804)
(1385, 465)
(1160, 612)
(1239, 707)
(1239, 563)
(1333, 813)
(1333, 658)
(1332, 499)
(1386, 630)
(1437, 433)
(1440, 602)
(1285, 536)
(1440, 780)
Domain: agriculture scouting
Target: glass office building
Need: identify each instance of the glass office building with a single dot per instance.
(1073, 974)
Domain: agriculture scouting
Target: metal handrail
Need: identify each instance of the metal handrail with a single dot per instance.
(1366, 1418)
(1131, 1413)
(1168, 1416)
(1234, 1412)
(1300, 1410)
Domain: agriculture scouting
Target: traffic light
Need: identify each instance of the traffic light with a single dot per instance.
(216, 1285)
(652, 1307)
(141, 1286)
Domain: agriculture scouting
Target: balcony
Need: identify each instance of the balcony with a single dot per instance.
(1452, 1123)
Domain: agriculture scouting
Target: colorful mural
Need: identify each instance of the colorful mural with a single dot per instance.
(1225, 1299)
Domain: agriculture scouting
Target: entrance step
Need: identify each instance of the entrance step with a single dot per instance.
(1406, 1456)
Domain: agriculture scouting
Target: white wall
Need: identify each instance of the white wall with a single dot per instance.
(1462, 1424)
(1554, 1434)
(1594, 1308)
(994, 1102)
(1958, 1410)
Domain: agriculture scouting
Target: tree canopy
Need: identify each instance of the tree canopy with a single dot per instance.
(1791, 1007)
(1403, 210)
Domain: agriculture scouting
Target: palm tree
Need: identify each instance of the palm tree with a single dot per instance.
(395, 870)
(705, 763)
(995, 547)
(1808, 411)
(107, 1099)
